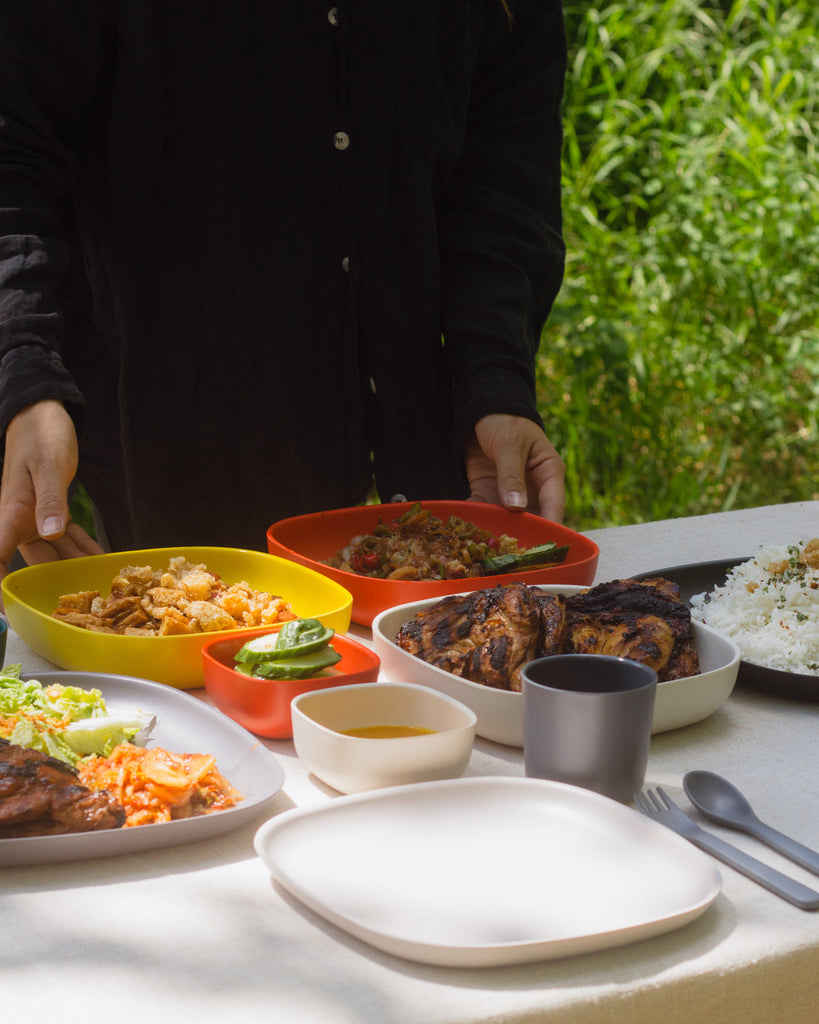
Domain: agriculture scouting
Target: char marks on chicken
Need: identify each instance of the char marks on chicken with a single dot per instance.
(487, 636)
(644, 620)
(41, 796)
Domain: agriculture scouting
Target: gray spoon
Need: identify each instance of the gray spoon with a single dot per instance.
(721, 802)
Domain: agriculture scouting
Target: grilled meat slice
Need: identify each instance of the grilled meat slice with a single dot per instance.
(667, 588)
(647, 597)
(41, 796)
(553, 630)
(684, 661)
(646, 621)
(554, 622)
(648, 639)
(488, 635)
(484, 636)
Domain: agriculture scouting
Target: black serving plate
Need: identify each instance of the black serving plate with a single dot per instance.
(698, 577)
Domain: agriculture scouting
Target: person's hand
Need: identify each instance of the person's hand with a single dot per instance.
(40, 462)
(510, 461)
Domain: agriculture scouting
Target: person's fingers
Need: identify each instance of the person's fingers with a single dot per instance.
(40, 461)
(552, 494)
(82, 542)
(51, 510)
(51, 472)
(17, 524)
(547, 472)
(511, 461)
(510, 466)
(74, 543)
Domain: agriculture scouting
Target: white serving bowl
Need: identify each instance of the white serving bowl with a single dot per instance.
(679, 702)
(352, 764)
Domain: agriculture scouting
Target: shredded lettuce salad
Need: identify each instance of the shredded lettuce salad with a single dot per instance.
(65, 722)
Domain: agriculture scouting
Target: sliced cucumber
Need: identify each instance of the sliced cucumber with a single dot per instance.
(258, 648)
(542, 554)
(303, 636)
(299, 636)
(301, 667)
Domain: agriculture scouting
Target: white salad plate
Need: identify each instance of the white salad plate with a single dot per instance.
(679, 702)
(483, 872)
(184, 724)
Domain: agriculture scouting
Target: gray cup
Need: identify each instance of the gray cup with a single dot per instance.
(587, 721)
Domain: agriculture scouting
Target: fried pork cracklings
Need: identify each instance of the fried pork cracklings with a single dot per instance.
(182, 599)
(487, 636)
(42, 796)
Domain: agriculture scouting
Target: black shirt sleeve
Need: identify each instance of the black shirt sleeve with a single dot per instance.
(500, 232)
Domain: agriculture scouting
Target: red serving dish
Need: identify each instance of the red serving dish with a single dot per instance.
(313, 539)
(263, 705)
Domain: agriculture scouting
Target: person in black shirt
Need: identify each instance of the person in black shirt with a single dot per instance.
(257, 258)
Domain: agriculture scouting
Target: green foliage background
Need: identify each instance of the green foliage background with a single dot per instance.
(679, 370)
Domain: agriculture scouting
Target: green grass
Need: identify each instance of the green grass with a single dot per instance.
(678, 372)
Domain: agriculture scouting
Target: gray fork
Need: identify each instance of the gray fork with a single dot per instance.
(659, 806)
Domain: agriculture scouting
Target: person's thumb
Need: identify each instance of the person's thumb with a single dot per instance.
(511, 470)
(48, 477)
(52, 517)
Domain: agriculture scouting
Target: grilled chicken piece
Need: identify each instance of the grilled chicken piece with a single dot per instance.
(553, 631)
(487, 636)
(554, 623)
(484, 636)
(645, 597)
(41, 796)
(646, 621)
(667, 588)
(648, 639)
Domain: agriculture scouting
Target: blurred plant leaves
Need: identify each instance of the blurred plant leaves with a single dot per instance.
(679, 371)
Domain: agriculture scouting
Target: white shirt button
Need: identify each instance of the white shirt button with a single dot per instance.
(332, 15)
(341, 140)
(345, 264)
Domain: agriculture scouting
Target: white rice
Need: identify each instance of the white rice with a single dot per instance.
(769, 607)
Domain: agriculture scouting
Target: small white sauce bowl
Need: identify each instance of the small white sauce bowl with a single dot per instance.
(353, 764)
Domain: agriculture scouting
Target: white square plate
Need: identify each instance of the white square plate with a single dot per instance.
(482, 872)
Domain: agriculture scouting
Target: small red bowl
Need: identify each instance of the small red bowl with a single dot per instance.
(311, 540)
(263, 705)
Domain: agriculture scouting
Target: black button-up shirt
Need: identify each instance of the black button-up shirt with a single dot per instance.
(267, 250)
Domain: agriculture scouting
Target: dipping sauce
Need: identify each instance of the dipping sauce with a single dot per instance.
(387, 732)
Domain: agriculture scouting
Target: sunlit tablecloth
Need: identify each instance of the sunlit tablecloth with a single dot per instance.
(198, 933)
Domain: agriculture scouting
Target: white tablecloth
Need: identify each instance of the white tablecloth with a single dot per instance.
(199, 933)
